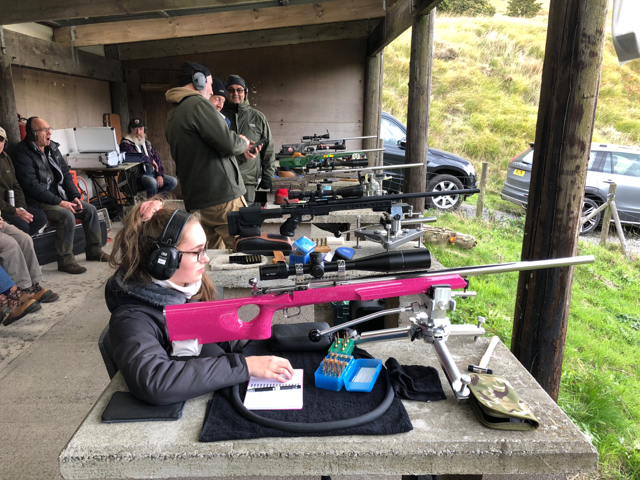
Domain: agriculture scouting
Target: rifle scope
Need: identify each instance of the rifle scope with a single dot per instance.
(381, 262)
(355, 191)
(334, 164)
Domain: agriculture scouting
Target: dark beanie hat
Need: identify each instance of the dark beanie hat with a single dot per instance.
(235, 80)
(218, 88)
(185, 74)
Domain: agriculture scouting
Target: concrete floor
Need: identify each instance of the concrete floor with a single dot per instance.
(51, 373)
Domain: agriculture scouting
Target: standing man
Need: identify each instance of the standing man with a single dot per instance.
(28, 219)
(253, 124)
(47, 184)
(152, 179)
(218, 98)
(204, 150)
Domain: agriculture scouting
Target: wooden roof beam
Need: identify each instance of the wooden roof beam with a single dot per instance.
(240, 41)
(46, 10)
(224, 22)
(32, 52)
(399, 17)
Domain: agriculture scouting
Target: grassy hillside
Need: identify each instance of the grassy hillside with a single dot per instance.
(486, 86)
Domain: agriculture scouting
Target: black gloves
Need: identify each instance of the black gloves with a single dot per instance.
(265, 184)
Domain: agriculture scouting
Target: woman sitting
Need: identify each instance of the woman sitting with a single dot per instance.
(137, 329)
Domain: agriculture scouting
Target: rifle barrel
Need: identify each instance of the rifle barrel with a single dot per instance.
(487, 269)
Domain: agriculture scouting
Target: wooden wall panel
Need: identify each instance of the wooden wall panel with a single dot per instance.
(302, 89)
(61, 100)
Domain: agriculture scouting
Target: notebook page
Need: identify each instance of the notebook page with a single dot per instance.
(275, 398)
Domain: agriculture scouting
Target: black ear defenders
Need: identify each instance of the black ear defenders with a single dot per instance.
(31, 133)
(199, 80)
(164, 259)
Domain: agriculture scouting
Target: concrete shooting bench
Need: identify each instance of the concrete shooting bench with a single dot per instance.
(446, 438)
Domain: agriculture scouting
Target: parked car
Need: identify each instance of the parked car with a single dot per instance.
(446, 172)
(607, 163)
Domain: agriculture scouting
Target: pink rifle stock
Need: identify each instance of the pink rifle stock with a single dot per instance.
(218, 321)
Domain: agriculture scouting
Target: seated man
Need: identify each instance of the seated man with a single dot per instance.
(28, 219)
(47, 184)
(152, 179)
(18, 258)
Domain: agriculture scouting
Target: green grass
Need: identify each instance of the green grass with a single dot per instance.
(600, 379)
(486, 86)
(485, 93)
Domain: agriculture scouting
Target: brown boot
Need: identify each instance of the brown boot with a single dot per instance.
(5, 311)
(102, 257)
(73, 269)
(39, 294)
(19, 308)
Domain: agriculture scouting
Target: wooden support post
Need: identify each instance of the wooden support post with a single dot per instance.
(415, 179)
(483, 187)
(606, 220)
(570, 80)
(372, 105)
(616, 220)
(120, 104)
(8, 112)
(118, 91)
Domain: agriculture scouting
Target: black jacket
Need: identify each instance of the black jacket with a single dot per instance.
(32, 174)
(139, 340)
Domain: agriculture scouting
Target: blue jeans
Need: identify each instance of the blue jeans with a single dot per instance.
(150, 185)
(5, 282)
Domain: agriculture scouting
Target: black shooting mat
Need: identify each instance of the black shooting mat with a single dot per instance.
(222, 422)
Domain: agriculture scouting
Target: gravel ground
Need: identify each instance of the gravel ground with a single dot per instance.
(631, 234)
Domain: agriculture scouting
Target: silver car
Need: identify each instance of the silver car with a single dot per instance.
(607, 164)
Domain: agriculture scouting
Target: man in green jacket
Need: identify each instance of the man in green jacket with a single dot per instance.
(253, 124)
(204, 150)
(27, 218)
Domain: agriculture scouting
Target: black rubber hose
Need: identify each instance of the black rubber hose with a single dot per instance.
(296, 427)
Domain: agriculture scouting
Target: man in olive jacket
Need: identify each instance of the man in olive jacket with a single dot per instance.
(204, 150)
(253, 124)
(25, 217)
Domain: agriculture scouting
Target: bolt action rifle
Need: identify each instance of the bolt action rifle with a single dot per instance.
(247, 221)
(218, 321)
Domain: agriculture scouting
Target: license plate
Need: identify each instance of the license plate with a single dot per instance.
(519, 173)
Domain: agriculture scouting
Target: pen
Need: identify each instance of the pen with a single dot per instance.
(271, 389)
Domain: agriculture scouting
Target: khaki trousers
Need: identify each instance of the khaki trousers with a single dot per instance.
(214, 222)
(18, 257)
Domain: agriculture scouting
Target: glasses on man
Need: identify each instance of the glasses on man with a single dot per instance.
(45, 130)
(200, 254)
(235, 90)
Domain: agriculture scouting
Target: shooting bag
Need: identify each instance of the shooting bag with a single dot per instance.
(294, 337)
(263, 244)
(497, 405)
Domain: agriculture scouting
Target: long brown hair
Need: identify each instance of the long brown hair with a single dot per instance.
(134, 244)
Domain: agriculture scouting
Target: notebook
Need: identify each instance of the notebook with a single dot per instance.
(268, 394)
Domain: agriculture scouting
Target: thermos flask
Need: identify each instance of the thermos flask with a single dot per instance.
(12, 198)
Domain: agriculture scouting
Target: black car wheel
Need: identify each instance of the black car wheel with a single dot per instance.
(444, 183)
(589, 206)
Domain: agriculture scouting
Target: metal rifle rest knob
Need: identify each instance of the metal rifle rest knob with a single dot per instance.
(253, 281)
(465, 380)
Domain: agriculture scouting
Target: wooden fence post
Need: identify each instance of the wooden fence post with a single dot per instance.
(483, 187)
(606, 220)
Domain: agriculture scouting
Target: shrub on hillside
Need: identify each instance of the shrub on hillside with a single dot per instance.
(468, 8)
(523, 8)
